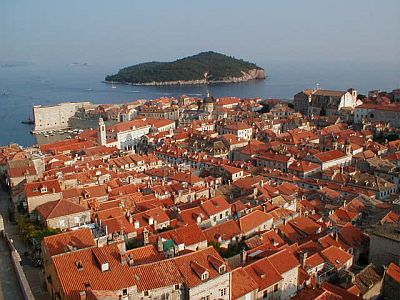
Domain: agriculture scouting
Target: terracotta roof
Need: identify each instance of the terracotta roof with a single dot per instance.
(145, 255)
(242, 283)
(313, 261)
(67, 241)
(305, 225)
(226, 231)
(263, 273)
(59, 208)
(394, 272)
(42, 188)
(329, 155)
(252, 220)
(391, 217)
(187, 235)
(284, 261)
(146, 277)
(215, 205)
(336, 256)
(202, 258)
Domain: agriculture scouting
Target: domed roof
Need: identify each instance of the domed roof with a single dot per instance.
(208, 99)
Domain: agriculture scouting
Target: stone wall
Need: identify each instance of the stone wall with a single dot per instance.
(15, 258)
(78, 123)
(383, 251)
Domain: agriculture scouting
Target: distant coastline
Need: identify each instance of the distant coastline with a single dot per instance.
(191, 82)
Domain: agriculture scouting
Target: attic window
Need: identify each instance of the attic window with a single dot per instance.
(204, 276)
(336, 261)
(43, 189)
(221, 269)
(79, 265)
(87, 285)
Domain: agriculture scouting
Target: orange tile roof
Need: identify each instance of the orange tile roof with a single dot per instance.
(264, 273)
(35, 188)
(187, 235)
(253, 220)
(336, 256)
(284, 261)
(201, 257)
(313, 261)
(329, 155)
(62, 242)
(391, 217)
(394, 272)
(145, 255)
(242, 283)
(215, 205)
(59, 208)
(226, 231)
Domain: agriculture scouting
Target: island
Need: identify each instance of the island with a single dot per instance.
(202, 68)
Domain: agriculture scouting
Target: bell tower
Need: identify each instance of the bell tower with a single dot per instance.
(101, 135)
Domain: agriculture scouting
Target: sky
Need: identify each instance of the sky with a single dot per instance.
(125, 32)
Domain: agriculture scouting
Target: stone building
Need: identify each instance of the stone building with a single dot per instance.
(384, 247)
(389, 113)
(55, 117)
(62, 214)
(319, 102)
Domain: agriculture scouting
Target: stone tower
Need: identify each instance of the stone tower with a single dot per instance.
(102, 137)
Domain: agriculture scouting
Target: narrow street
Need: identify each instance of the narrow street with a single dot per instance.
(33, 274)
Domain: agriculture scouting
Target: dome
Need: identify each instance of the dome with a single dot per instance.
(208, 99)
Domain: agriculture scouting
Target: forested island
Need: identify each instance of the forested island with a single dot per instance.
(202, 68)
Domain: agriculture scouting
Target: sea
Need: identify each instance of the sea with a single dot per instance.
(28, 84)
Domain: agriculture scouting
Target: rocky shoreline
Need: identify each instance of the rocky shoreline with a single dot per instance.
(254, 74)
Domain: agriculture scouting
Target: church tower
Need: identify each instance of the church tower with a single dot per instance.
(101, 135)
(208, 103)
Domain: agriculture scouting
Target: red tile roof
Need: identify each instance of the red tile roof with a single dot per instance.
(215, 205)
(242, 283)
(329, 155)
(42, 188)
(59, 208)
(284, 261)
(226, 231)
(252, 220)
(336, 256)
(64, 242)
(394, 272)
(263, 273)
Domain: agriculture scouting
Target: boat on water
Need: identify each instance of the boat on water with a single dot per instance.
(113, 86)
(3, 93)
(28, 121)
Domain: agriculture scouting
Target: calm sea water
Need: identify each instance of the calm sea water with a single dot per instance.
(34, 84)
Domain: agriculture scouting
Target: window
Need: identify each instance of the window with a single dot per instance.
(62, 223)
(146, 293)
(275, 287)
(125, 292)
(205, 297)
(177, 287)
(222, 292)
(221, 269)
(204, 276)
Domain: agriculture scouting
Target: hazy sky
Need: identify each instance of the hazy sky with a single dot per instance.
(127, 32)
